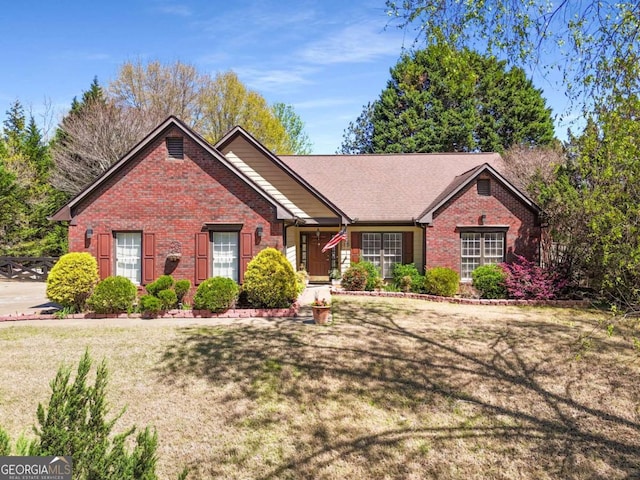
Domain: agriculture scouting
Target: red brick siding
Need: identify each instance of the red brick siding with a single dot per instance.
(501, 208)
(173, 199)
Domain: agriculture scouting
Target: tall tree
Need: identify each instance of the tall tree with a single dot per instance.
(227, 102)
(91, 140)
(441, 99)
(358, 137)
(212, 106)
(158, 90)
(299, 142)
(597, 42)
(25, 165)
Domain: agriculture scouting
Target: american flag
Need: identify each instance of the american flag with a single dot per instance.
(335, 240)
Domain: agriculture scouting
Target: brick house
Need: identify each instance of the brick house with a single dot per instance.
(179, 205)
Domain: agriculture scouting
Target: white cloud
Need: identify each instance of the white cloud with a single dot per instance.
(354, 44)
(274, 79)
(175, 9)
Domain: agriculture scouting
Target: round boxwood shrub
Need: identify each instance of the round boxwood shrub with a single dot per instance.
(182, 287)
(113, 295)
(163, 282)
(354, 278)
(489, 280)
(168, 298)
(72, 279)
(270, 281)
(150, 305)
(216, 294)
(441, 281)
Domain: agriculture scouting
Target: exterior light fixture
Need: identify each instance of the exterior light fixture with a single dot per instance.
(260, 231)
(89, 232)
(483, 218)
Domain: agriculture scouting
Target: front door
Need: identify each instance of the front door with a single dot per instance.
(319, 263)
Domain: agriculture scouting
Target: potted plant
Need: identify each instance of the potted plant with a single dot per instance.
(321, 309)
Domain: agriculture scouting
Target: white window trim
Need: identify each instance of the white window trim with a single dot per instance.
(482, 258)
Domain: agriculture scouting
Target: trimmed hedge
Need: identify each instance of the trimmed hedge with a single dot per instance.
(216, 294)
(489, 280)
(113, 295)
(72, 279)
(270, 281)
(441, 281)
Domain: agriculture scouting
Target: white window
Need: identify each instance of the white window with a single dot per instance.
(480, 248)
(225, 255)
(129, 256)
(383, 250)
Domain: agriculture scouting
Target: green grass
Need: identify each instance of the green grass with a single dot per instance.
(394, 389)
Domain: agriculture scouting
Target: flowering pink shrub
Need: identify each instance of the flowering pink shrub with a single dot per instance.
(526, 280)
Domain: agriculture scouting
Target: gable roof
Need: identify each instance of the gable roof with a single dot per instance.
(225, 142)
(462, 181)
(66, 213)
(393, 187)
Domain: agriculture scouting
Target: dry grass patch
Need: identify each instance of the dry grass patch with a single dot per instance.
(394, 389)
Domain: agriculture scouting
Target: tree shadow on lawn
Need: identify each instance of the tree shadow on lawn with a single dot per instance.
(511, 388)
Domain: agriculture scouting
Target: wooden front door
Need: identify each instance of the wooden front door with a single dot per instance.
(319, 263)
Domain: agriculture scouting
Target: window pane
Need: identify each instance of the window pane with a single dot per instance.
(371, 245)
(471, 245)
(225, 255)
(470, 249)
(493, 248)
(392, 252)
(129, 256)
(468, 266)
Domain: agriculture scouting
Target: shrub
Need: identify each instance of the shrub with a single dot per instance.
(441, 281)
(182, 287)
(150, 304)
(168, 298)
(301, 281)
(163, 282)
(526, 280)
(374, 278)
(74, 423)
(113, 295)
(72, 279)
(216, 294)
(406, 278)
(489, 281)
(270, 281)
(354, 278)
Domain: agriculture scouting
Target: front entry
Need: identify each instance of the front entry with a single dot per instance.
(319, 263)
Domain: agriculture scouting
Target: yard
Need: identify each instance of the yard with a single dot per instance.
(394, 389)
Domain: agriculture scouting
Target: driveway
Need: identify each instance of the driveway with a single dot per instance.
(23, 297)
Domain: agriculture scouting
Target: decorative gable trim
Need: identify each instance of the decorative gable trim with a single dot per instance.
(239, 131)
(457, 186)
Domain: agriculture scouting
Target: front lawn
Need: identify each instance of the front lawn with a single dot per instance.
(395, 389)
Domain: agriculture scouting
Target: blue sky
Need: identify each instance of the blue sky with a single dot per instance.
(326, 58)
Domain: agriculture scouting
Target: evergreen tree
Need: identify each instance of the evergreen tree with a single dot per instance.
(444, 100)
(30, 199)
